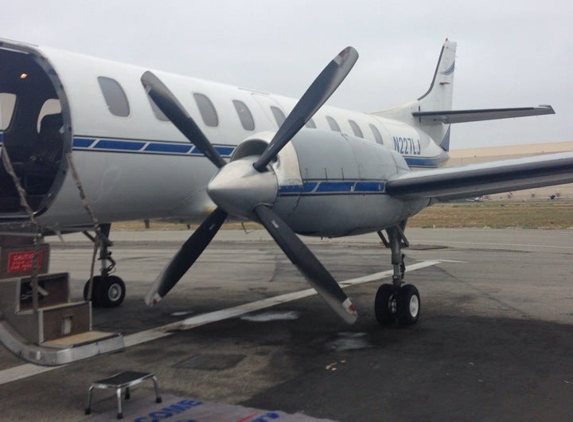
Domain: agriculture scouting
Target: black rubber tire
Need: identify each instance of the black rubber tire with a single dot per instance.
(408, 305)
(96, 283)
(111, 292)
(383, 304)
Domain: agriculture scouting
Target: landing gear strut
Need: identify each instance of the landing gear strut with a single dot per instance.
(397, 301)
(108, 291)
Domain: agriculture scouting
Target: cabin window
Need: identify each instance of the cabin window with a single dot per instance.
(377, 134)
(114, 96)
(7, 106)
(279, 115)
(207, 110)
(310, 124)
(333, 124)
(51, 106)
(245, 115)
(356, 129)
(157, 111)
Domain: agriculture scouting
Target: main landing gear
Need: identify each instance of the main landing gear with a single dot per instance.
(397, 301)
(108, 291)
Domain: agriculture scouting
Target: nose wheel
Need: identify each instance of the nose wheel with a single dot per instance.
(108, 291)
(397, 301)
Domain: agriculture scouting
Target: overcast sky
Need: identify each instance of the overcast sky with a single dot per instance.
(511, 53)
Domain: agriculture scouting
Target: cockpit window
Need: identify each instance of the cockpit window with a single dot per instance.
(245, 115)
(356, 129)
(279, 115)
(207, 110)
(114, 96)
(333, 124)
(7, 105)
(310, 124)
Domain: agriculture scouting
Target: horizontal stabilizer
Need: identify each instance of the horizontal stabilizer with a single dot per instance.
(464, 116)
(483, 179)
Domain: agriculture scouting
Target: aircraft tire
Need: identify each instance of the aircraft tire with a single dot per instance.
(408, 305)
(384, 304)
(111, 292)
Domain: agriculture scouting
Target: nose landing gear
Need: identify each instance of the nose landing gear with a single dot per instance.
(108, 290)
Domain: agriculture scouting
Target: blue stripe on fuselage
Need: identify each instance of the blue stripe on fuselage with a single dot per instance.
(333, 187)
(83, 142)
(168, 148)
(180, 148)
(144, 147)
(427, 162)
(120, 145)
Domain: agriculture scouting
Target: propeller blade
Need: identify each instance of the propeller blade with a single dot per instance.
(172, 108)
(185, 257)
(307, 263)
(315, 96)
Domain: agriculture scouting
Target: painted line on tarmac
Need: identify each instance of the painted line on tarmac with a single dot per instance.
(29, 369)
(208, 318)
(23, 371)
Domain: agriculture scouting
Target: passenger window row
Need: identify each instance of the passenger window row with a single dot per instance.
(118, 105)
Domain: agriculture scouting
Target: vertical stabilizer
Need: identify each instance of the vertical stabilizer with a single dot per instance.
(437, 98)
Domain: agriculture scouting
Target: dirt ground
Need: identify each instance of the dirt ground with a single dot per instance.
(546, 214)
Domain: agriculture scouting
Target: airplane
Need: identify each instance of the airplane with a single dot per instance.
(86, 142)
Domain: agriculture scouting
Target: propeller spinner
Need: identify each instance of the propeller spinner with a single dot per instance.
(246, 188)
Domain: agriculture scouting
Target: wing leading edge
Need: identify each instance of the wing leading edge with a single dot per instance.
(484, 179)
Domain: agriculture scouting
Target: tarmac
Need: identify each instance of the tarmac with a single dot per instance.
(494, 341)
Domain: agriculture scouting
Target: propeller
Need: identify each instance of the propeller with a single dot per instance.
(186, 256)
(315, 96)
(246, 188)
(174, 111)
(299, 254)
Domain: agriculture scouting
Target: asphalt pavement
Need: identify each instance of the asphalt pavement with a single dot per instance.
(494, 341)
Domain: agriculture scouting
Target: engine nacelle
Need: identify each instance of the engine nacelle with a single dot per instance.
(332, 184)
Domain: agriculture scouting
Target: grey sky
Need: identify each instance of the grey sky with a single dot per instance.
(510, 53)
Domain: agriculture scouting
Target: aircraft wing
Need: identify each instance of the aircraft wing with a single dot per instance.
(483, 179)
(464, 116)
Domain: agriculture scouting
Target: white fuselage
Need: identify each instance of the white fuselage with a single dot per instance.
(134, 165)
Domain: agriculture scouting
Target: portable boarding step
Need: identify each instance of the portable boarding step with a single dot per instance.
(123, 381)
(58, 331)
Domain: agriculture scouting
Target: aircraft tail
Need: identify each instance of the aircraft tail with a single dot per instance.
(437, 98)
(432, 112)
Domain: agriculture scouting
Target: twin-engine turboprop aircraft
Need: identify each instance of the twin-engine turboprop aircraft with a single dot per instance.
(87, 142)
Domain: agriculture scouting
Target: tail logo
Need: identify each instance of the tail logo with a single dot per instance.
(450, 69)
